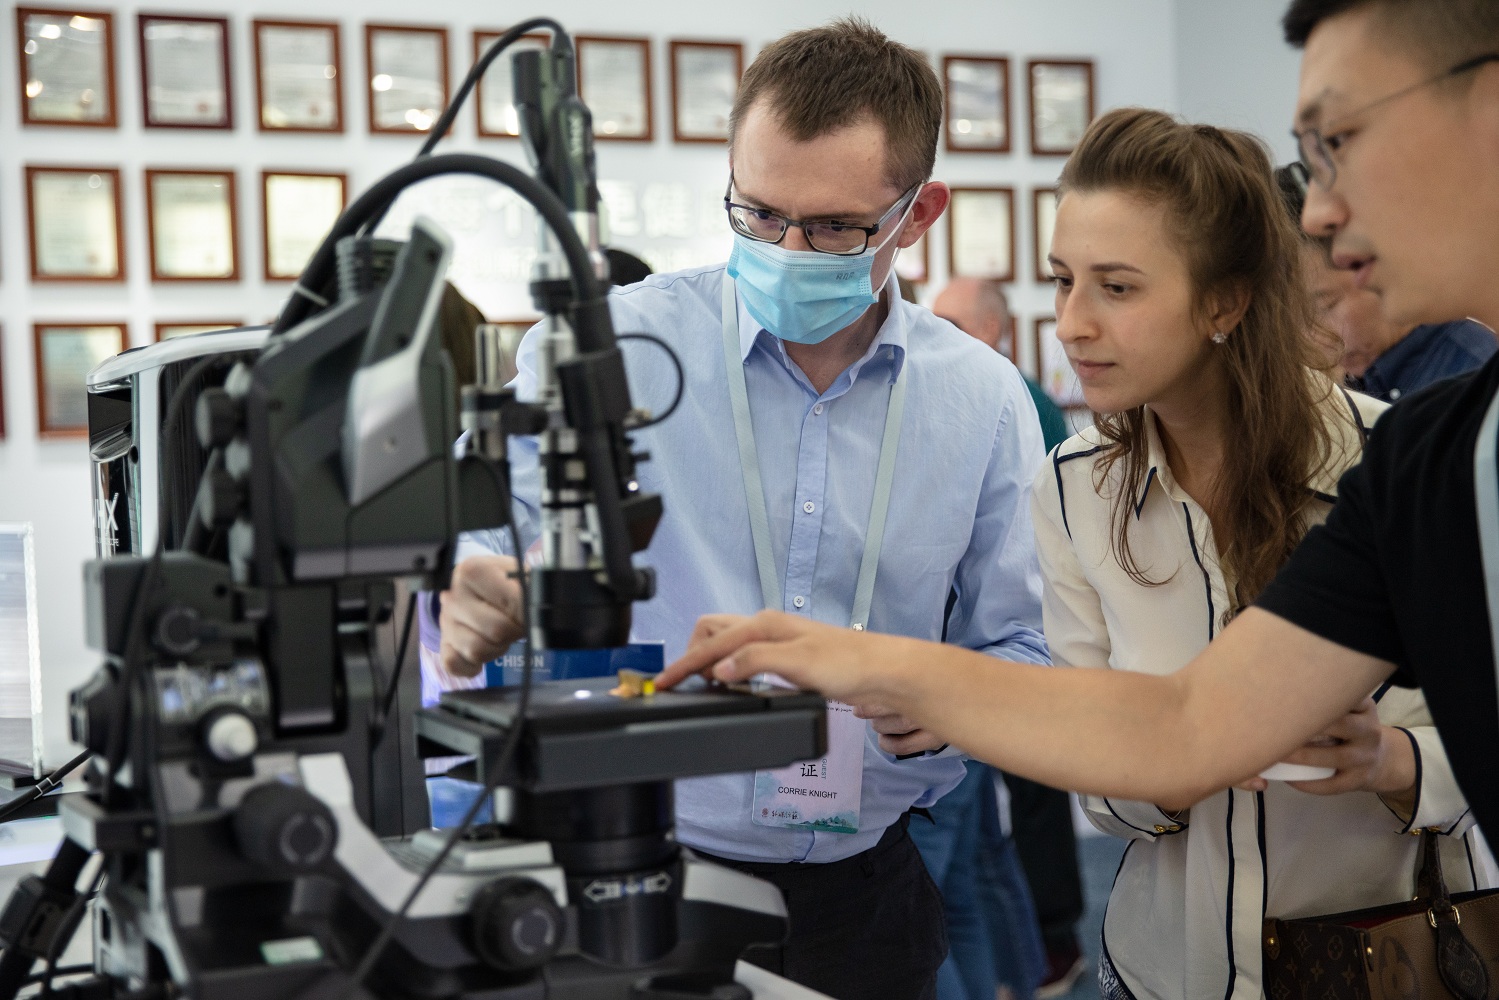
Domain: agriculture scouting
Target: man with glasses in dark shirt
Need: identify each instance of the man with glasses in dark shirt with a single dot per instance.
(1398, 124)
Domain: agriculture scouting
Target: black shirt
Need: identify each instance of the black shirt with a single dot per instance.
(1396, 572)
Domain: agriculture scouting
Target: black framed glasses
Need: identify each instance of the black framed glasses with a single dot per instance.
(823, 235)
(1316, 147)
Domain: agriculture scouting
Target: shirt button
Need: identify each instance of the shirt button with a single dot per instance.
(1394, 393)
(1160, 829)
(809, 506)
(799, 601)
(817, 409)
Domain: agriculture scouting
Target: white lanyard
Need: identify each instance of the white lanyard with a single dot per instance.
(1486, 494)
(754, 491)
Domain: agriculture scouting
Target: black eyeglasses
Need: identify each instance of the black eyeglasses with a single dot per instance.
(1316, 147)
(824, 236)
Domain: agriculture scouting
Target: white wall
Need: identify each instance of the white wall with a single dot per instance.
(46, 483)
(1234, 68)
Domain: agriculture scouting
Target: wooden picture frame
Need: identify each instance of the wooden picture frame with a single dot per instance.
(976, 116)
(186, 328)
(1053, 371)
(214, 107)
(71, 100)
(288, 94)
(494, 88)
(59, 413)
(413, 109)
(699, 107)
(1062, 103)
(914, 263)
(50, 236)
(1043, 222)
(216, 252)
(279, 247)
(620, 114)
(2, 382)
(511, 331)
(967, 254)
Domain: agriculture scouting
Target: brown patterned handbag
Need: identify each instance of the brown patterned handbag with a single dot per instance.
(1435, 947)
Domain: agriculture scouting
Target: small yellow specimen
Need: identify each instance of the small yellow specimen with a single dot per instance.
(634, 684)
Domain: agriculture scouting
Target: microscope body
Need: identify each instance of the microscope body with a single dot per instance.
(240, 833)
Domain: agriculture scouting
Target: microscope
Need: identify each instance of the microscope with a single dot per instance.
(239, 786)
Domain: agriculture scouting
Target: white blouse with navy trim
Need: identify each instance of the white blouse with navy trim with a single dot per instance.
(1184, 918)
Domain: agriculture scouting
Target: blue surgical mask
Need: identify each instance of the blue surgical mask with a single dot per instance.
(803, 296)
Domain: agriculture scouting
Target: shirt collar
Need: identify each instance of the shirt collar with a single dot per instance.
(1346, 433)
(1384, 373)
(892, 333)
(1159, 468)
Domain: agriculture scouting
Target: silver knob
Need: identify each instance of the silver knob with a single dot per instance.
(231, 737)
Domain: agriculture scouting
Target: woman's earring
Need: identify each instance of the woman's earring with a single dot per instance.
(1219, 337)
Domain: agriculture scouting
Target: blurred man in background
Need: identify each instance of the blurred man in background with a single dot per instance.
(1041, 817)
(1386, 360)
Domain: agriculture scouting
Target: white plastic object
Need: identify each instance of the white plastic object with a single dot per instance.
(232, 737)
(1296, 772)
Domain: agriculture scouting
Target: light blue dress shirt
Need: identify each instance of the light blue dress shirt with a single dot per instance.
(959, 518)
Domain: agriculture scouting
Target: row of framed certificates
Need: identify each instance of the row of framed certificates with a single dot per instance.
(66, 352)
(68, 77)
(981, 236)
(76, 222)
(976, 88)
(76, 229)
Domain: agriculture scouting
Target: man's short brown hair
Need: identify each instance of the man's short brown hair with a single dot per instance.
(1441, 33)
(823, 79)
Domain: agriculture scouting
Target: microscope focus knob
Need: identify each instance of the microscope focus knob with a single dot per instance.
(516, 924)
(284, 827)
(176, 631)
(221, 499)
(218, 417)
(230, 736)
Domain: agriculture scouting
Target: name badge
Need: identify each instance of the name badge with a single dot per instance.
(821, 794)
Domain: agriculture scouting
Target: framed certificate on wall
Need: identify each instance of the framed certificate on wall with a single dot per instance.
(75, 224)
(981, 233)
(2, 384)
(298, 76)
(407, 75)
(297, 210)
(914, 263)
(65, 353)
(1053, 370)
(614, 80)
(976, 93)
(185, 72)
(704, 79)
(67, 66)
(185, 328)
(494, 95)
(1043, 224)
(509, 333)
(1061, 99)
(192, 222)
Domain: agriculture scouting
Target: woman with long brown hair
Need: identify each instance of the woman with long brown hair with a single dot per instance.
(1217, 444)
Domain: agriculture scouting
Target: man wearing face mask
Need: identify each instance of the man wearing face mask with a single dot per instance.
(838, 454)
